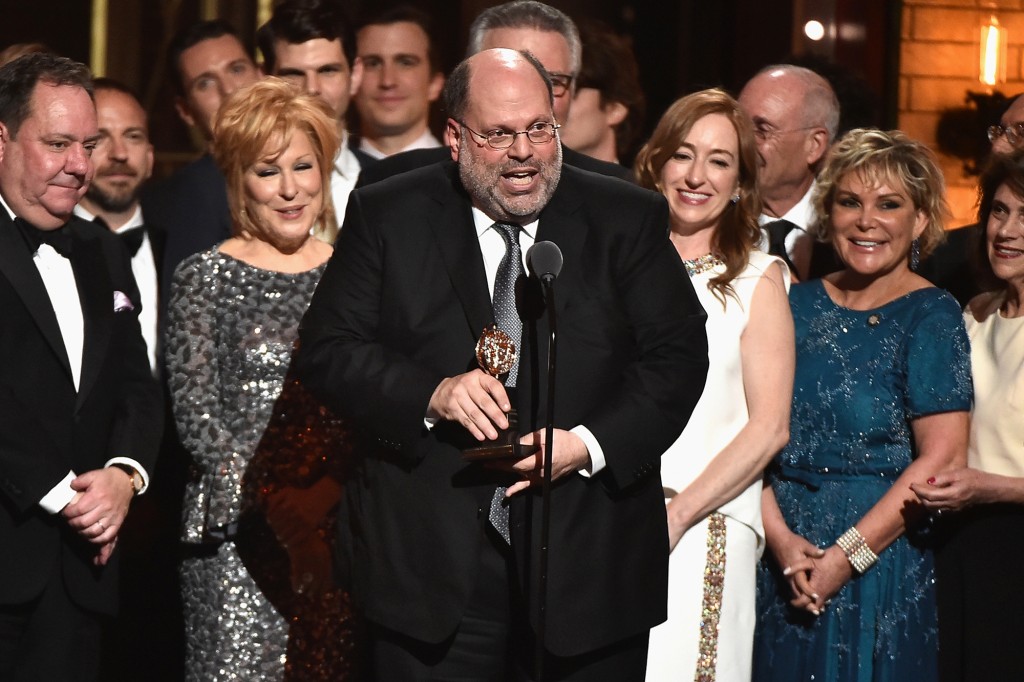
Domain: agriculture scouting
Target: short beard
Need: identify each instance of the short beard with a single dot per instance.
(111, 203)
(481, 179)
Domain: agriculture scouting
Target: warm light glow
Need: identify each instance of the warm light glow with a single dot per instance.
(993, 53)
(814, 30)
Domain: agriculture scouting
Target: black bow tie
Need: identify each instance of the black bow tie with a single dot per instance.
(59, 239)
(132, 239)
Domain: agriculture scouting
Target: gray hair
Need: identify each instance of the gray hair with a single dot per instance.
(526, 14)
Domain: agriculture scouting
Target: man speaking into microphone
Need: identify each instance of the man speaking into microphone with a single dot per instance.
(440, 548)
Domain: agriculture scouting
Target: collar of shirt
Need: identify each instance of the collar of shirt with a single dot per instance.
(7, 208)
(134, 221)
(802, 214)
(345, 163)
(424, 141)
(492, 244)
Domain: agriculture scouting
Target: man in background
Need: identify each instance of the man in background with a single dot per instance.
(796, 117)
(208, 62)
(401, 79)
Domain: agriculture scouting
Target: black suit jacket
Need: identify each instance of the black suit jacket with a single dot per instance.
(400, 307)
(47, 428)
(417, 158)
(950, 268)
(191, 208)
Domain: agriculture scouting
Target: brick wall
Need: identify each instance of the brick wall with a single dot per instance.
(938, 65)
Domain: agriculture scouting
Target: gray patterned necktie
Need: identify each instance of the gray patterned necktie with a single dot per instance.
(506, 317)
(510, 269)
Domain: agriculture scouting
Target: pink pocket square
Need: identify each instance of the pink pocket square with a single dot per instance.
(122, 302)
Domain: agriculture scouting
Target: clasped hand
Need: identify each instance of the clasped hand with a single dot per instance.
(98, 508)
(815, 575)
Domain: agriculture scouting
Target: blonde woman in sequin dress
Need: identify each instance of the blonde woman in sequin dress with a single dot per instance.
(703, 158)
(880, 400)
(233, 322)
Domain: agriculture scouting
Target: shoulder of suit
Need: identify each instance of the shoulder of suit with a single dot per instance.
(603, 188)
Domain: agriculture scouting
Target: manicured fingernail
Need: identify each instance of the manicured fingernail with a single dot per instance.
(787, 570)
(814, 596)
(816, 612)
(931, 481)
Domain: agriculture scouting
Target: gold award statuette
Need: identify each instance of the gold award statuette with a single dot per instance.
(496, 355)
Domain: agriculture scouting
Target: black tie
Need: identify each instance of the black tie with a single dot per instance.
(778, 230)
(59, 239)
(132, 238)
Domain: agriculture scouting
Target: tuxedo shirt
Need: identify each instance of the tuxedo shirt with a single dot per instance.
(144, 269)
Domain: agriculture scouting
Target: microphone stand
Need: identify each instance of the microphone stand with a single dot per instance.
(547, 282)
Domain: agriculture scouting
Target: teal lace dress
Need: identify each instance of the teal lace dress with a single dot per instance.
(861, 378)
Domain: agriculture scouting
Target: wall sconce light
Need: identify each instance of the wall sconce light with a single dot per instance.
(992, 64)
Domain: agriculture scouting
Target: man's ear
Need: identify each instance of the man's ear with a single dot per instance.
(452, 136)
(817, 146)
(436, 85)
(615, 113)
(184, 112)
(357, 77)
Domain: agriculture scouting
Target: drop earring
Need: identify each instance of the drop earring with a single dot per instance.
(915, 254)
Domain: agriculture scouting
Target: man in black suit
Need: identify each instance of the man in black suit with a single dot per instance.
(208, 62)
(79, 409)
(389, 343)
(552, 37)
(123, 161)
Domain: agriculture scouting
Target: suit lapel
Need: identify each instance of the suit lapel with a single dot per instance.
(17, 266)
(456, 239)
(96, 293)
(563, 223)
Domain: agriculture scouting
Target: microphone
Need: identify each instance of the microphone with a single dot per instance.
(545, 261)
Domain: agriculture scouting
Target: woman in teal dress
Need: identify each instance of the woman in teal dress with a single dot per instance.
(880, 401)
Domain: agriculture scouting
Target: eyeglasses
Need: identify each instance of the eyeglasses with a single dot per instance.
(560, 83)
(763, 132)
(1014, 133)
(538, 133)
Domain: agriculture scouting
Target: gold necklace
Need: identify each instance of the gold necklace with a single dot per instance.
(696, 266)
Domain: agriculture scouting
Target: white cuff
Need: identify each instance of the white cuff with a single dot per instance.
(134, 465)
(59, 495)
(597, 461)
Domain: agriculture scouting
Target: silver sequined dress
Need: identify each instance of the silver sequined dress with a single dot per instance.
(231, 329)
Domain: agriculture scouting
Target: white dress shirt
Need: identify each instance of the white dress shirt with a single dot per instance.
(62, 288)
(144, 269)
(424, 141)
(343, 178)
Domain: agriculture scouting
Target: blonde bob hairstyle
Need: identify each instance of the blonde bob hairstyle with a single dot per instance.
(270, 112)
(738, 232)
(889, 157)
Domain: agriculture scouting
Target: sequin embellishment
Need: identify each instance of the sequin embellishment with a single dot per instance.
(711, 608)
(696, 266)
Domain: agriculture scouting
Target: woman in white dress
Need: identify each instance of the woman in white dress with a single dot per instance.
(703, 158)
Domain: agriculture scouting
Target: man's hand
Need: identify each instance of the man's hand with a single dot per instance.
(570, 455)
(99, 508)
(475, 399)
